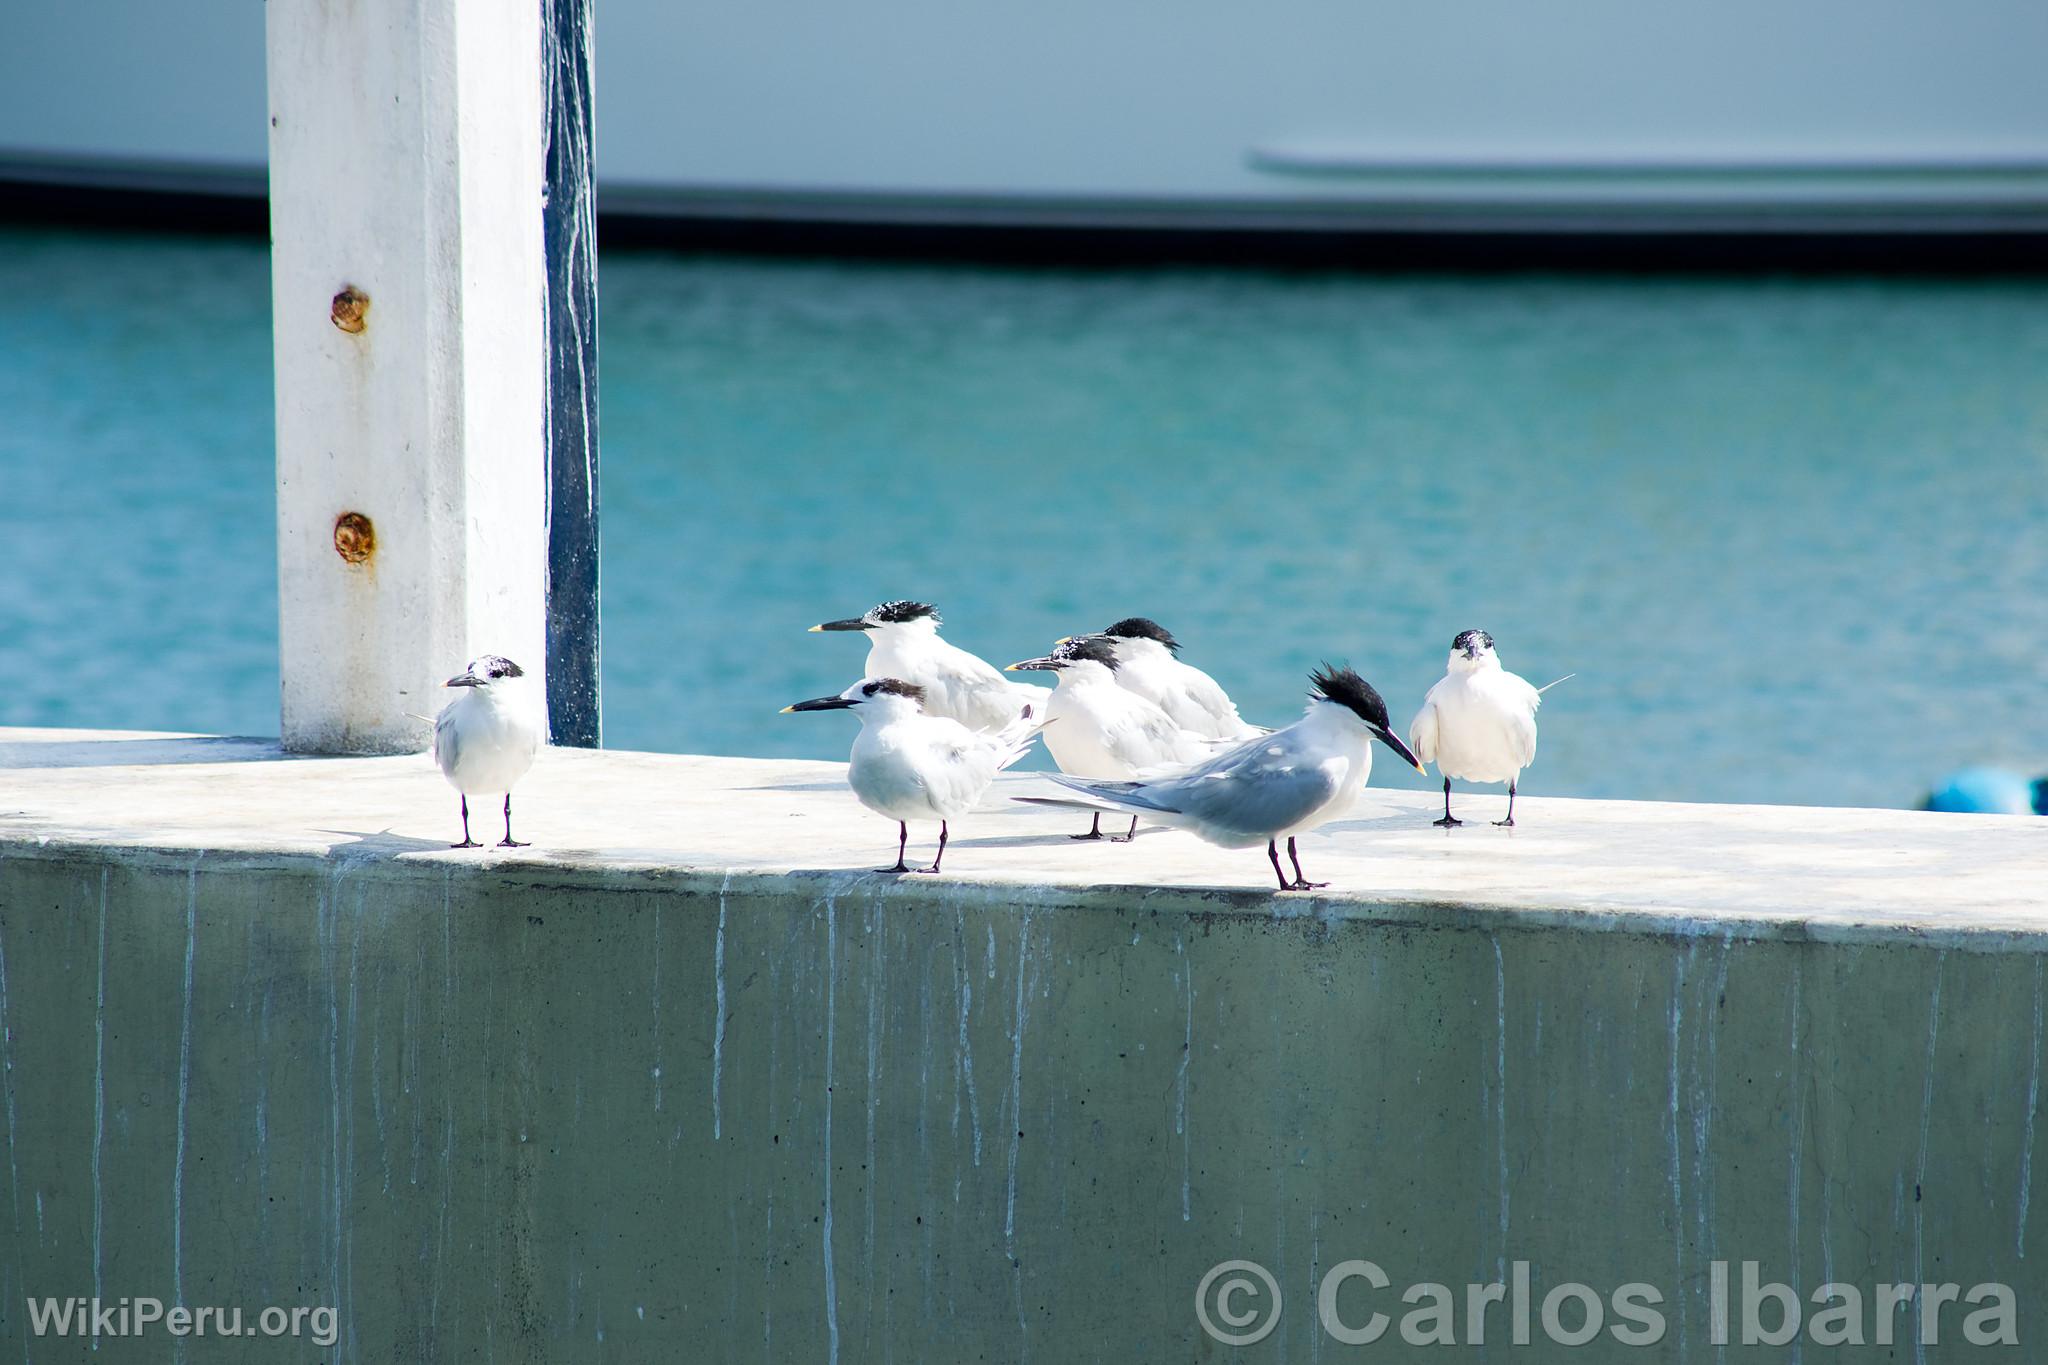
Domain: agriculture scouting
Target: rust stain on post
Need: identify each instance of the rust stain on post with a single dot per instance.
(355, 540)
(349, 307)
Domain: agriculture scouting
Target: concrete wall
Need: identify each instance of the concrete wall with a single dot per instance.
(534, 1114)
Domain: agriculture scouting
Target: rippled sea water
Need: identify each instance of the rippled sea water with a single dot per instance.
(1792, 534)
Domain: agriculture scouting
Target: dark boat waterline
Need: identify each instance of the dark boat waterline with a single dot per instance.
(1424, 221)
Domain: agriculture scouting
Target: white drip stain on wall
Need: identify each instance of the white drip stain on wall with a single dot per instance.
(184, 1089)
(718, 1016)
(831, 1017)
(2033, 1107)
(1920, 1162)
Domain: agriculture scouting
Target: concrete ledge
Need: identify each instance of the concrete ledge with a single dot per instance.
(682, 1081)
(684, 822)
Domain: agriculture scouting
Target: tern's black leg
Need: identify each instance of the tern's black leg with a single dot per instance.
(467, 842)
(1447, 822)
(1273, 852)
(1094, 830)
(1128, 835)
(938, 857)
(902, 840)
(508, 841)
(1510, 821)
(1300, 882)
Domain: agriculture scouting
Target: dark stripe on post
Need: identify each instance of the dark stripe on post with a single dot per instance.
(570, 226)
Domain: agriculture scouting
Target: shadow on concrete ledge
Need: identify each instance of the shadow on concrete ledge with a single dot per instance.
(140, 751)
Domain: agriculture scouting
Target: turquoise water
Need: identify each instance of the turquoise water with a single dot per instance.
(1789, 533)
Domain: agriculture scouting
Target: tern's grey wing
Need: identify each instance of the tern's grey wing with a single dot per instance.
(1422, 731)
(1207, 696)
(1129, 795)
(1255, 799)
(1195, 789)
(447, 740)
(1521, 703)
(1521, 726)
(1142, 736)
(1252, 789)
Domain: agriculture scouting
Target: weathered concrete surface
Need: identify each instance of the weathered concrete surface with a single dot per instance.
(681, 1082)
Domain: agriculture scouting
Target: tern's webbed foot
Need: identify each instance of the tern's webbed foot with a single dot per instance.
(1095, 834)
(467, 843)
(1447, 822)
(900, 867)
(1303, 884)
(509, 842)
(931, 871)
(1118, 838)
(1508, 823)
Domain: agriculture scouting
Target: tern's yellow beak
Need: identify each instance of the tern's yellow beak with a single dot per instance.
(787, 709)
(816, 629)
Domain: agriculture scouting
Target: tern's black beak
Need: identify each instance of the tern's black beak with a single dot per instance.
(1030, 665)
(850, 623)
(465, 680)
(1393, 741)
(819, 704)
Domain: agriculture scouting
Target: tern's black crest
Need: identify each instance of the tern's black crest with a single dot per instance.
(1346, 688)
(1093, 648)
(498, 666)
(1478, 639)
(1142, 628)
(895, 613)
(894, 687)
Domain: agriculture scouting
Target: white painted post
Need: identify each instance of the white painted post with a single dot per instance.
(408, 279)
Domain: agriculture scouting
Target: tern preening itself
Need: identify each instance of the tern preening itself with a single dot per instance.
(1479, 723)
(486, 738)
(909, 765)
(1149, 665)
(1099, 729)
(904, 643)
(1271, 787)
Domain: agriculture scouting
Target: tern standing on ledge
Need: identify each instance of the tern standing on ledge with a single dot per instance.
(1269, 788)
(904, 643)
(1478, 724)
(907, 765)
(486, 738)
(1100, 729)
(1149, 664)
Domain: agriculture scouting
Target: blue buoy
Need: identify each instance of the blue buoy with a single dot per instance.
(1987, 791)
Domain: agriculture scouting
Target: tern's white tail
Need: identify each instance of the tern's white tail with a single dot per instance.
(1015, 738)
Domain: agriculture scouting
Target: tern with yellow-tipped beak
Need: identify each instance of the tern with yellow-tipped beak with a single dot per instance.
(1099, 729)
(908, 765)
(904, 643)
(1268, 788)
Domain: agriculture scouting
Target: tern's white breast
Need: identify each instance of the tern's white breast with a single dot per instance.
(921, 768)
(485, 743)
(1486, 726)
